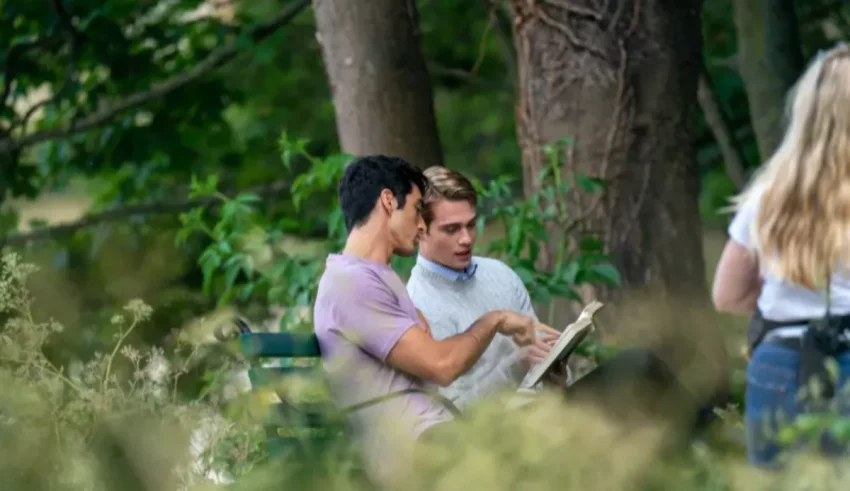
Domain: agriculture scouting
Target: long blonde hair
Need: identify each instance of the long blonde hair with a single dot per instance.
(802, 229)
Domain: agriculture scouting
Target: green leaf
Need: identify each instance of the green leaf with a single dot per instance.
(590, 184)
(533, 251)
(275, 294)
(564, 290)
(565, 142)
(182, 237)
(591, 244)
(200, 189)
(224, 248)
(609, 273)
(525, 274)
(230, 275)
(569, 272)
(515, 237)
(248, 198)
(225, 297)
(287, 319)
(248, 266)
(540, 295)
(208, 268)
(246, 291)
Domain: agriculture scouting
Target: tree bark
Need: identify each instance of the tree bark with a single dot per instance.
(620, 81)
(770, 60)
(381, 90)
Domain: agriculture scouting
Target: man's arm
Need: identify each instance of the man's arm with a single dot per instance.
(442, 362)
(423, 322)
(527, 356)
(378, 324)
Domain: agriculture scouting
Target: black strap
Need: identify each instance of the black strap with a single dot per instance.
(392, 395)
(818, 343)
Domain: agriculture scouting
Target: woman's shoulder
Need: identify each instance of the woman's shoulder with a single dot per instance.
(740, 228)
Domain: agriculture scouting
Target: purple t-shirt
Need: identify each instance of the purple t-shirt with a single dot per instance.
(362, 309)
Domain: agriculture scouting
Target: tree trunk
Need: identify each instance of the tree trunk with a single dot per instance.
(621, 83)
(770, 61)
(381, 90)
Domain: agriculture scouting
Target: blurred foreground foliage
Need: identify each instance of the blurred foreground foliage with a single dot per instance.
(117, 423)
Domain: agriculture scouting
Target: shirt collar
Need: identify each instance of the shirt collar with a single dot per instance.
(448, 273)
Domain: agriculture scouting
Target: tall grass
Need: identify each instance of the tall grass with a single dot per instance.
(118, 423)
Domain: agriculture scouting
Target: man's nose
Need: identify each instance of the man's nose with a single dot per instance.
(465, 237)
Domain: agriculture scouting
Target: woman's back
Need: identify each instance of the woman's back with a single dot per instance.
(782, 300)
(788, 248)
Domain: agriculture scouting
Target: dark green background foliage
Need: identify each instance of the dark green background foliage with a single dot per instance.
(204, 151)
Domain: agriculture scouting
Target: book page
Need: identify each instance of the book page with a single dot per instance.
(567, 342)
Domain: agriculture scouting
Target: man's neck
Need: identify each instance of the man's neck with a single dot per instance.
(368, 244)
(438, 263)
(452, 274)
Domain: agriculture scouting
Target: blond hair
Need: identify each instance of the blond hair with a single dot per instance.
(446, 184)
(802, 228)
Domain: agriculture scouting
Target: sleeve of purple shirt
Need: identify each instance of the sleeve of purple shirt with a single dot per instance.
(373, 317)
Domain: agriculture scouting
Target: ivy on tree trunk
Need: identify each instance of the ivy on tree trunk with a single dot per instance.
(619, 79)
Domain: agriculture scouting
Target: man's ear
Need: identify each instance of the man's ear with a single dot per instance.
(387, 201)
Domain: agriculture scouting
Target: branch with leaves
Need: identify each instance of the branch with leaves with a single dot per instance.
(107, 114)
(129, 211)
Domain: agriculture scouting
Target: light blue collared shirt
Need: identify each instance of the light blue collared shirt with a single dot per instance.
(448, 273)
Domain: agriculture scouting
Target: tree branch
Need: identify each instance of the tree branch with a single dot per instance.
(505, 36)
(124, 212)
(66, 21)
(15, 52)
(76, 40)
(462, 75)
(721, 128)
(103, 116)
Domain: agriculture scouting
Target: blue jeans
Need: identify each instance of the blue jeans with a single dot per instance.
(772, 398)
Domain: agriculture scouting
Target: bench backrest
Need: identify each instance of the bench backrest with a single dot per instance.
(290, 425)
(297, 426)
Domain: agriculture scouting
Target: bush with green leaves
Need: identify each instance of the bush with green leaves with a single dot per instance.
(251, 253)
(255, 256)
(543, 223)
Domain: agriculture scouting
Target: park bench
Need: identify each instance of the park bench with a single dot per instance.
(299, 430)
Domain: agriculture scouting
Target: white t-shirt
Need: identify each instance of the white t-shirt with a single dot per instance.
(780, 300)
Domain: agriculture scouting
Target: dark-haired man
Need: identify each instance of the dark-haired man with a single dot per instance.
(373, 340)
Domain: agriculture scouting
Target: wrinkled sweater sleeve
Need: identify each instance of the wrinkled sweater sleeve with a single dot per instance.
(499, 369)
(509, 372)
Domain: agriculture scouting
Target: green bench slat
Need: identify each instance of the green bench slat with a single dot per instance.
(292, 429)
(280, 345)
(262, 376)
(303, 415)
(289, 427)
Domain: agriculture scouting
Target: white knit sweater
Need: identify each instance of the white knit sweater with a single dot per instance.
(451, 306)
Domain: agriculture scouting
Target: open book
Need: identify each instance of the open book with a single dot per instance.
(569, 340)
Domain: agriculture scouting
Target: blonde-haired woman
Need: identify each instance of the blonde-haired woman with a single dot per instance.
(787, 259)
